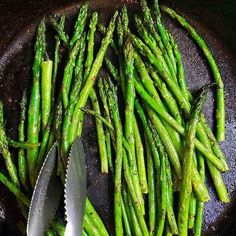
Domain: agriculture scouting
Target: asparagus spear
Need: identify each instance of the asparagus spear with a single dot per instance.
(60, 31)
(14, 189)
(93, 95)
(46, 86)
(151, 27)
(113, 105)
(22, 164)
(34, 105)
(91, 212)
(68, 73)
(186, 186)
(23, 145)
(200, 205)
(220, 104)
(79, 24)
(140, 158)
(164, 34)
(79, 68)
(100, 134)
(11, 168)
(56, 59)
(151, 189)
(129, 111)
(90, 47)
(159, 110)
(76, 118)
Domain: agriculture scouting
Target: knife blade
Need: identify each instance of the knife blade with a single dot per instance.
(46, 196)
(75, 190)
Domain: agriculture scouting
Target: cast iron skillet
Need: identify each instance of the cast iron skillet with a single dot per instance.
(215, 20)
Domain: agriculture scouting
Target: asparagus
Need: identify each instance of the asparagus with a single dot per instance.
(100, 134)
(22, 164)
(46, 87)
(34, 104)
(11, 168)
(76, 118)
(89, 227)
(91, 212)
(167, 96)
(79, 68)
(112, 69)
(113, 105)
(152, 44)
(192, 211)
(186, 186)
(60, 31)
(140, 158)
(78, 71)
(79, 24)
(103, 30)
(151, 27)
(180, 67)
(151, 190)
(164, 34)
(93, 95)
(23, 145)
(220, 104)
(129, 113)
(90, 39)
(68, 73)
(163, 185)
(159, 110)
(14, 189)
(199, 187)
(200, 205)
(56, 59)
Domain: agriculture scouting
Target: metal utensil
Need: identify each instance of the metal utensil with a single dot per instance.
(48, 191)
(75, 190)
(46, 196)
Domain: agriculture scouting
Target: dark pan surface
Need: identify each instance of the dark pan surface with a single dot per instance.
(214, 20)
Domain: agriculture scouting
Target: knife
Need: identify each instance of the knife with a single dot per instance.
(46, 196)
(75, 190)
(48, 191)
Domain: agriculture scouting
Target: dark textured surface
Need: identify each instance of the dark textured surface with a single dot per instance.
(214, 20)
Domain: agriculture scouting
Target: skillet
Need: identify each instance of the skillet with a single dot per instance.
(215, 20)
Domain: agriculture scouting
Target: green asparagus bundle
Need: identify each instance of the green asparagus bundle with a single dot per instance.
(153, 138)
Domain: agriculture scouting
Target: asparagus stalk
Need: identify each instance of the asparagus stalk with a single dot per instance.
(220, 104)
(200, 205)
(23, 145)
(186, 186)
(22, 164)
(164, 34)
(79, 24)
(90, 48)
(151, 190)
(11, 168)
(140, 158)
(113, 105)
(56, 60)
(76, 118)
(34, 104)
(129, 114)
(46, 87)
(60, 31)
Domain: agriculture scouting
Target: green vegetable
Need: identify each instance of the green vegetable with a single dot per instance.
(220, 104)
(188, 162)
(46, 87)
(22, 164)
(76, 118)
(11, 168)
(34, 104)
